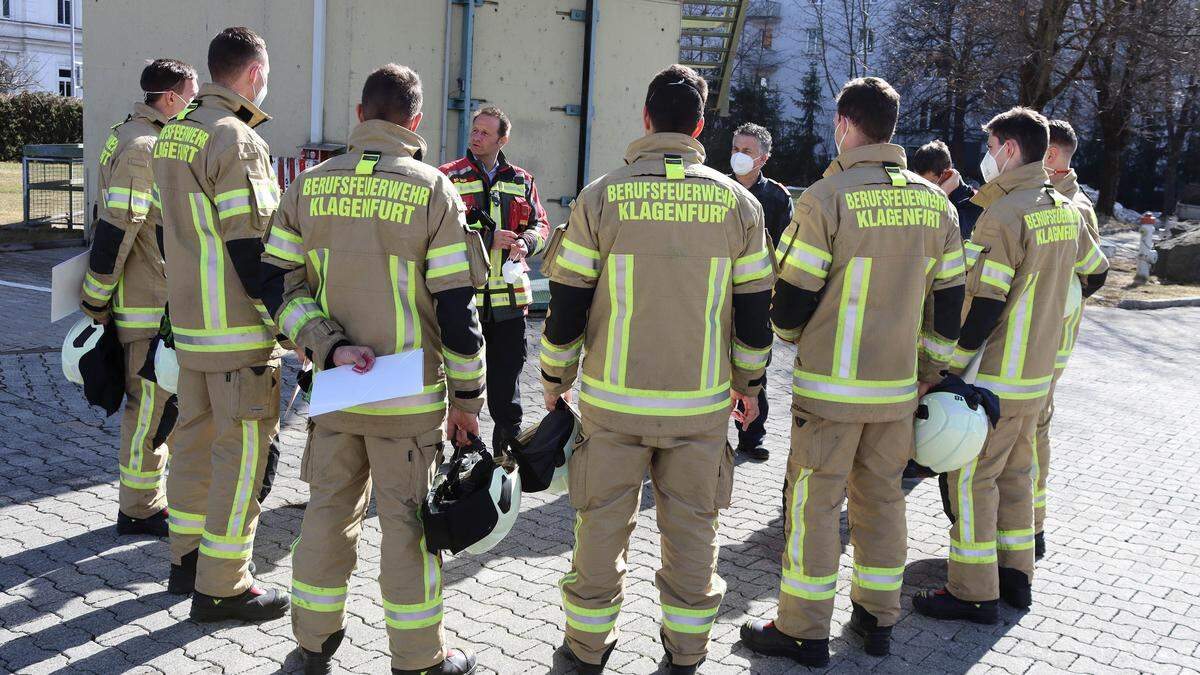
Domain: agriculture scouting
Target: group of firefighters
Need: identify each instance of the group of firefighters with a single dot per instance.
(670, 317)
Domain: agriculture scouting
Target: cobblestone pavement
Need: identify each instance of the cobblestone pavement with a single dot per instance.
(1117, 590)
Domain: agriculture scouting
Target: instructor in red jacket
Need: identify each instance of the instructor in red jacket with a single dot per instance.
(503, 194)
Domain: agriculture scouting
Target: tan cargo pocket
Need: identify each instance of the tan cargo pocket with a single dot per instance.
(255, 392)
(306, 458)
(550, 253)
(425, 458)
(477, 258)
(725, 479)
(266, 195)
(808, 443)
(577, 474)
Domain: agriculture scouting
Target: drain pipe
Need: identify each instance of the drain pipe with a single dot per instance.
(592, 19)
(468, 65)
(316, 113)
(445, 83)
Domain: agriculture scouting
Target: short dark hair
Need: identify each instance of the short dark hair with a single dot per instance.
(232, 51)
(1063, 135)
(495, 111)
(675, 99)
(872, 105)
(165, 75)
(933, 157)
(392, 93)
(757, 131)
(1027, 127)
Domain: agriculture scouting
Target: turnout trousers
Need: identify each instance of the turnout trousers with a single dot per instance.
(1041, 457)
(991, 500)
(505, 355)
(692, 478)
(828, 460)
(226, 423)
(341, 470)
(146, 424)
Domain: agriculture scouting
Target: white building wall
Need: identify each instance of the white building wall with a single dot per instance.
(31, 33)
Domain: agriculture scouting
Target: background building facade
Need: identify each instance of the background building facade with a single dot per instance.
(43, 40)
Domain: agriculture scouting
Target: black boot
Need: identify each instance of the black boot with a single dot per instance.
(940, 604)
(183, 576)
(1039, 545)
(676, 669)
(1015, 588)
(763, 637)
(755, 451)
(155, 525)
(255, 604)
(877, 640)
(457, 662)
(321, 663)
(583, 667)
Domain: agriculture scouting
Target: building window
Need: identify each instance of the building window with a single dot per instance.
(813, 42)
(64, 12)
(65, 86)
(768, 36)
(6, 9)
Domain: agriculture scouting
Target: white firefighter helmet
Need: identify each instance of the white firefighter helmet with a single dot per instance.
(166, 368)
(949, 432)
(559, 484)
(81, 339)
(505, 493)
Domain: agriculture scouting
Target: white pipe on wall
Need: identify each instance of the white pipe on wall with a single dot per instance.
(316, 115)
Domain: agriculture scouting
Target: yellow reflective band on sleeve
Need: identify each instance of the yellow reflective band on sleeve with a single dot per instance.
(789, 334)
(579, 259)
(446, 260)
(366, 163)
(751, 267)
(137, 202)
(961, 357)
(936, 346)
(296, 315)
(806, 258)
(971, 252)
(97, 289)
(469, 187)
(878, 578)
(998, 275)
(952, 265)
(415, 616)
(673, 164)
(748, 358)
(462, 367)
(560, 357)
(692, 621)
(590, 620)
(285, 245)
(318, 599)
(137, 317)
(1094, 261)
(233, 203)
(1020, 389)
(155, 198)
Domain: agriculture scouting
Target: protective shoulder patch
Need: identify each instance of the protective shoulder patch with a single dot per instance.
(896, 175)
(247, 150)
(366, 163)
(188, 110)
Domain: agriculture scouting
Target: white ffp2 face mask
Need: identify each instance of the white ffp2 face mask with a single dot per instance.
(988, 167)
(741, 163)
(262, 93)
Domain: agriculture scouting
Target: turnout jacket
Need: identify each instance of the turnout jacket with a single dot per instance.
(218, 192)
(126, 279)
(661, 279)
(868, 265)
(1068, 185)
(1028, 242)
(372, 248)
(511, 199)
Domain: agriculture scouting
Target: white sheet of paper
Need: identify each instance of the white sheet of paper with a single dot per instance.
(392, 376)
(972, 370)
(66, 280)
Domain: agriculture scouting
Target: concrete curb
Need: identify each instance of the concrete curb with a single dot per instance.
(1159, 304)
(42, 245)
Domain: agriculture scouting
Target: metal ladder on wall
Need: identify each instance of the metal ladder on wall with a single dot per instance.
(708, 42)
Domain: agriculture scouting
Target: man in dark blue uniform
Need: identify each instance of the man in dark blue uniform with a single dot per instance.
(932, 162)
(751, 150)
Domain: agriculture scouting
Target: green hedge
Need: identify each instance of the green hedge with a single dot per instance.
(38, 118)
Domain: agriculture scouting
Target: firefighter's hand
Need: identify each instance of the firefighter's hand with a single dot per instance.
(460, 423)
(923, 388)
(504, 239)
(749, 408)
(552, 399)
(951, 182)
(362, 358)
(518, 251)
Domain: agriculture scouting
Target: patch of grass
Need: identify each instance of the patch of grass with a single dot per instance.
(10, 193)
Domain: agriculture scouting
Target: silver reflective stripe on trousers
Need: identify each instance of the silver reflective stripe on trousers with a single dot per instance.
(807, 587)
(660, 403)
(319, 599)
(414, 616)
